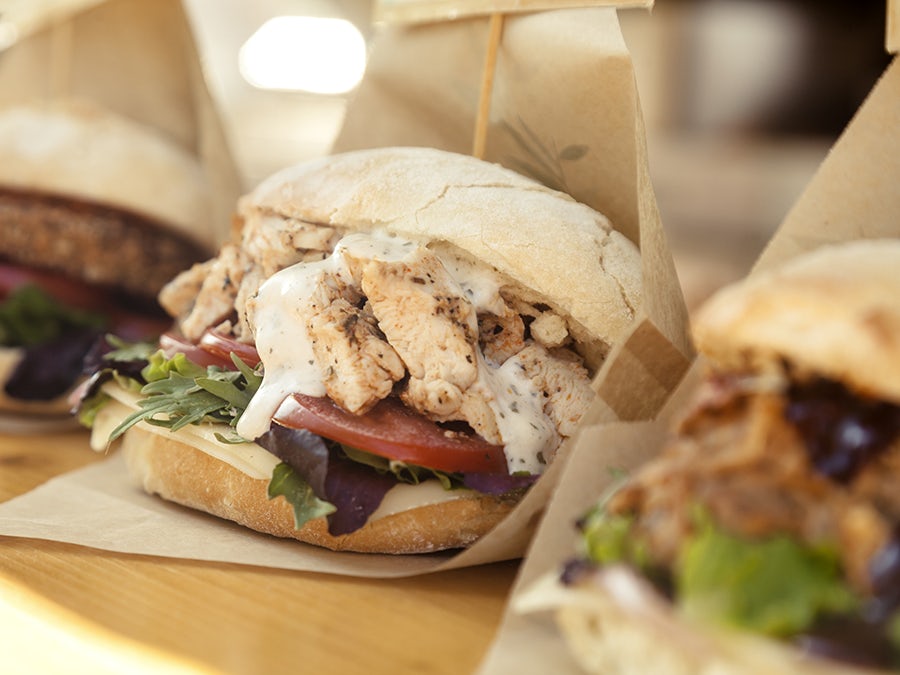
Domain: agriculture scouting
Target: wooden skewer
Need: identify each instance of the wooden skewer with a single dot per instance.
(495, 31)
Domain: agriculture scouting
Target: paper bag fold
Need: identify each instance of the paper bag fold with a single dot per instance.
(853, 195)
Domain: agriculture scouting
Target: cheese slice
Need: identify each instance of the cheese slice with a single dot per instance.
(250, 458)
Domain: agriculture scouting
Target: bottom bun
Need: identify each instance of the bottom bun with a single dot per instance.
(183, 474)
(617, 624)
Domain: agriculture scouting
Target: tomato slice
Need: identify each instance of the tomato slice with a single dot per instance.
(68, 291)
(172, 344)
(389, 430)
(212, 350)
(392, 430)
(222, 346)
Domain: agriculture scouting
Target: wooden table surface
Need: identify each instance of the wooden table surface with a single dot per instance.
(76, 609)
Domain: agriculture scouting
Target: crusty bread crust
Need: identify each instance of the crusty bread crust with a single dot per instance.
(834, 312)
(549, 247)
(183, 474)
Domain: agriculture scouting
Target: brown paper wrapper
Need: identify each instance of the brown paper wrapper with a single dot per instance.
(892, 37)
(853, 195)
(421, 11)
(568, 113)
(135, 58)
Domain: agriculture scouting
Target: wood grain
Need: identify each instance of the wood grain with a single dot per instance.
(223, 618)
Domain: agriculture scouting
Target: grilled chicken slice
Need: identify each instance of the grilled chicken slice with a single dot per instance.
(426, 317)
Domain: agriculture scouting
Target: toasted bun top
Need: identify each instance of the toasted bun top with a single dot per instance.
(834, 312)
(549, 246)
(79, 149)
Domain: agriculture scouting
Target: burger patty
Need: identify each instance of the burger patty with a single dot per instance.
(764, 462)
(91, 242)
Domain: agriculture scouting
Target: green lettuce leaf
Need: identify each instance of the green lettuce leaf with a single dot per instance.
(29, 317)
(289, 484)
(403, 472)
(776, 586)
(607, 539)
(893, 630)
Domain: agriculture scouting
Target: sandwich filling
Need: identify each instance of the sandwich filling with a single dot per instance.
(71, 269)
(360, 353)
(47, 325)
(775, 509)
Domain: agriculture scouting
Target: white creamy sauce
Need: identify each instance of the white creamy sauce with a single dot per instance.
(278, 317)
(283, 342)
(526, 431)
(481, 286)
(376, 247)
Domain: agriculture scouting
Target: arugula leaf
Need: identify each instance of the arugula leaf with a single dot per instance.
(179, 392)
(228, 390)
(29, 316)
(776, 586)
(287, 483)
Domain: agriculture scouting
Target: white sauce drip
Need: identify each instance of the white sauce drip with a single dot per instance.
(285, 347)
(283, 342)
(526, 431)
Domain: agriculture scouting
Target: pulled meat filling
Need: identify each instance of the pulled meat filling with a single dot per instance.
(814, 461)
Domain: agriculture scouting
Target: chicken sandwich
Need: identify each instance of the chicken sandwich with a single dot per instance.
(396, 341)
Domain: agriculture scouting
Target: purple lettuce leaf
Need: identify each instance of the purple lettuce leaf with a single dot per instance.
(354, 489)
(49, 370)
(498, 483)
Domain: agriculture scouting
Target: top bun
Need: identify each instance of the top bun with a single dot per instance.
(834, 312)
(549, 247)
(81, 150)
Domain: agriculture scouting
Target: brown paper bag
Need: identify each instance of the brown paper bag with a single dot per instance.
(423, 11)
(574, 98)
(136, 58)
(853, 195)
(892, 38)
(568, 115)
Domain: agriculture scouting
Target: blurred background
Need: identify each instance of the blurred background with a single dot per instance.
(742, 100)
